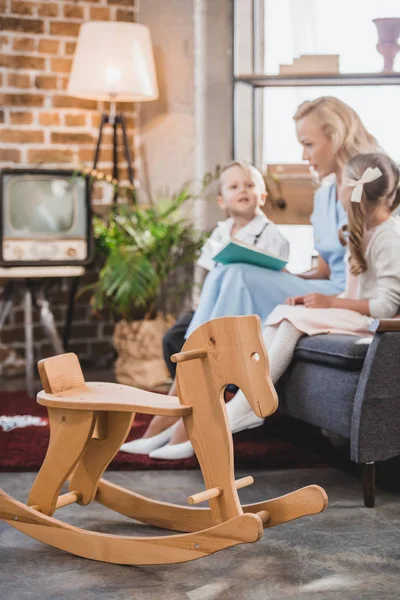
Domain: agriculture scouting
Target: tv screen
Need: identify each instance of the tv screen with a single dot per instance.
(45, 218)
(42, 205)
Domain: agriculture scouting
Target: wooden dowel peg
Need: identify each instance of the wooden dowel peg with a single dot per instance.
(244, 482)
(217, 491)
(189, 355)
(264, 516)
(64, 500)
(206, 495)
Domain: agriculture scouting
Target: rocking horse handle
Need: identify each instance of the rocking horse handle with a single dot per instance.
(189, 355)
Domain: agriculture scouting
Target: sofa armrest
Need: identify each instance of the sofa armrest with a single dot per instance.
(382, 325)
(375, 432)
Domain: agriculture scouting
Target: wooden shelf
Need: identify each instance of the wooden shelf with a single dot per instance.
(314, 80)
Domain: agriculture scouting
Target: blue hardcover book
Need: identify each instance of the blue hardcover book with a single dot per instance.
(236, 251)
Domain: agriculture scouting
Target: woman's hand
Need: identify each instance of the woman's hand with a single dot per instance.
(293, 300)
(318, 301)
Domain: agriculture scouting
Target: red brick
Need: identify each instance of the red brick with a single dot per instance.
(75, 120)
(48, 118)
(10, 155)
(14, 334)
(22, 62)
(47, 9)
(24, 25)
(64, 28)
(71, 102)
(19, 136)
(21, 99)
(22, 8)
(18, 80)
(54, 155)
(24, 44)
(65, 137)
(21, 118)
(125, 15)
(61, 65)
(71, 11)
(101, 348)
(46, 82)
(49, 46)
(83, 331)
(70, 47)
(87, 154)
(99, 13)
(121, 2)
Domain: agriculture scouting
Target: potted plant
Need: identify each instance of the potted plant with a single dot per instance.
(147, 254)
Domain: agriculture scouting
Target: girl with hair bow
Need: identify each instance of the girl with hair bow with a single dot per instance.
(369, 193)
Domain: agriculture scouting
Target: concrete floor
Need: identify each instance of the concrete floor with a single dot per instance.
(347, 553)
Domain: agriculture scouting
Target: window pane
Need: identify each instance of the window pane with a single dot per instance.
(378, 107)
(344, 27)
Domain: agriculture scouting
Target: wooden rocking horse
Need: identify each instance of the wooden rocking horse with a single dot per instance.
(90, 421)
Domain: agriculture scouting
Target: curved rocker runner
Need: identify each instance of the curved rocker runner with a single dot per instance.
(90, 421)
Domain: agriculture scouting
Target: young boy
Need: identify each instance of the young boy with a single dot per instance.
(242, 194)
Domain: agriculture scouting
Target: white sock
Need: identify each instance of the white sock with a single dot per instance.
(281, 351)
(280, 341)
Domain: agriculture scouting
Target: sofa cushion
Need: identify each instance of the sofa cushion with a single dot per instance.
(343, 351)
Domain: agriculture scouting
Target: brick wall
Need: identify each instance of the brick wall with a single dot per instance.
(41, 125)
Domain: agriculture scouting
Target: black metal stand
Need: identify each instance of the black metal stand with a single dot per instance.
(116, 121)
(34, 292)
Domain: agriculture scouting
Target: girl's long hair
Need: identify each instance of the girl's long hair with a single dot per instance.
(384, 190)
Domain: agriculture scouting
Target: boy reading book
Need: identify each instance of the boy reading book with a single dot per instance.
(242, 194)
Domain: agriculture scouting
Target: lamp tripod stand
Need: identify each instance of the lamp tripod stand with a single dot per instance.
(116, 121)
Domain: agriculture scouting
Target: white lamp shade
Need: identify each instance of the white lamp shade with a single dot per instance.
(113, 61)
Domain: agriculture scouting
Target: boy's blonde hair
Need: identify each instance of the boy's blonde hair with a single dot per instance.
(341, 124)
(246, 167)
(384, 190)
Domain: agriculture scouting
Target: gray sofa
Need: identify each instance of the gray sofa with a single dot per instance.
(350, 386)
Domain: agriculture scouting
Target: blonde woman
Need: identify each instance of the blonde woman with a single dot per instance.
(331, 133)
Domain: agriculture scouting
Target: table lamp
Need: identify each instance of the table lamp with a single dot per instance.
(114, 62)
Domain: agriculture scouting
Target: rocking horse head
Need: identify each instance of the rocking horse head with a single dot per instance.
(231, 351)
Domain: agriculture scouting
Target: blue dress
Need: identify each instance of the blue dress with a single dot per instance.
(242, 289)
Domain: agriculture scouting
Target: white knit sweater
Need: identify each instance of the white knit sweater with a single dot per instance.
(380, 283)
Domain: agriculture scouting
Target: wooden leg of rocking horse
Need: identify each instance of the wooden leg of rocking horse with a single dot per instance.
(70, 431)
(113, 428)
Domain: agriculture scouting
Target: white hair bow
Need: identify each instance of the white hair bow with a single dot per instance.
(370, 174)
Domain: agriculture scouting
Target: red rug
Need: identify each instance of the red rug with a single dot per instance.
(281, 443)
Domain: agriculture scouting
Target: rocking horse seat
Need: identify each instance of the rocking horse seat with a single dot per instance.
(111, 396)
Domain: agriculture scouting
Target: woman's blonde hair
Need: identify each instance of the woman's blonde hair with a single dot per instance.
(341, 124)
(384, 190)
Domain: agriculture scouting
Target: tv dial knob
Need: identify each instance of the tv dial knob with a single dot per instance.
(18, 252)
(71, 252)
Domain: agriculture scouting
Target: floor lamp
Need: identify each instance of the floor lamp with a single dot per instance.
(114, 62)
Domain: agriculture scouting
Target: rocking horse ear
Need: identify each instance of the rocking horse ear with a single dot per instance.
(60, 373)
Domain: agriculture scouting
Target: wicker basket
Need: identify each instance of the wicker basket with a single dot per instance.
(140, 361)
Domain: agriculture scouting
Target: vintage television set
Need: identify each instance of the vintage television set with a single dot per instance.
(45, 217)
